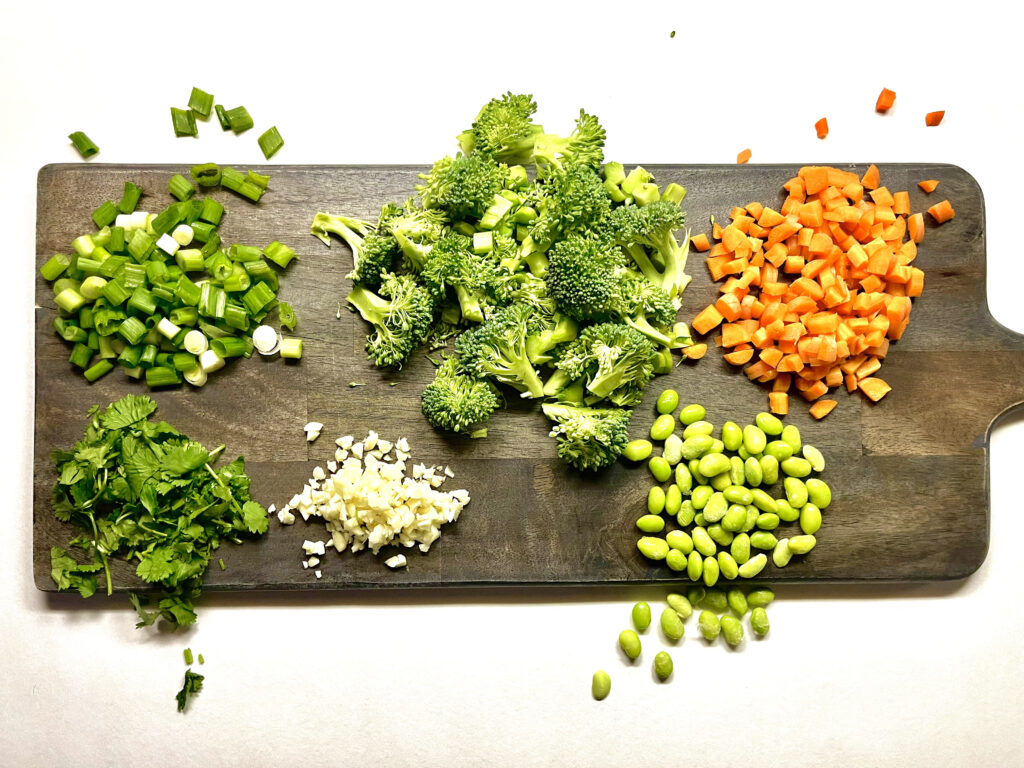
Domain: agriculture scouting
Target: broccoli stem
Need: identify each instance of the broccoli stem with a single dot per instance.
(469, 302)
(558, 381)
(642, 324)
(371, 306)
(415, 253)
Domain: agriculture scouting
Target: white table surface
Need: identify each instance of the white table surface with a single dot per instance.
(872, 676)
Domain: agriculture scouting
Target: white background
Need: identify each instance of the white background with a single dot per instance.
(880, 676)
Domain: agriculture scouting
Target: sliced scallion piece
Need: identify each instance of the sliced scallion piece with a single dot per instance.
(183, 361)
(291, 348)
(132, 330)
(100, 369)
(81, 354)
(55, 266)
(239, 119)
(201, 103)
(228, 346)
(161, 376)
(279, 253)
(189, 260)
(270, 142)
(184, 122)
(258, 179)
(206, 175)
(104, 215)
(257, 297)
(184, 316)
(84, 145)
(212, 211)
(235, 316)
(180, 187)
(129, 198)
(286, 316)
(222, 116)
(243, 253)
(69, 300)
(116, 244)
(237, 182)
(115, 293)
(130, 356)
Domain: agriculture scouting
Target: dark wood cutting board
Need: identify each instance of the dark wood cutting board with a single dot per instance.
(910, 474)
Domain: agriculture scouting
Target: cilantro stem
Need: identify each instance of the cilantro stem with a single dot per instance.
(222, 484)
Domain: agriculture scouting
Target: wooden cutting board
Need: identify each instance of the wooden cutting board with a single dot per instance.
(910, 474)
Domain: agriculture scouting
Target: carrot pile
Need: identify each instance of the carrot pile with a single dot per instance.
(817, 290)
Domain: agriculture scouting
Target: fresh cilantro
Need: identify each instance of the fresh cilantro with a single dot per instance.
(128, 410)
(193, 685)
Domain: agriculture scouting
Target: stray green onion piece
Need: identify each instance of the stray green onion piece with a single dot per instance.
(270, 142)
(279, 253)
(180, 187)
(206, 175)
(222, 116)
(258, 179)
(188, 656)
(239, 119)
(104, 215)
(184, 122)
(291, 348)
(84, 145)
(201, 660)
(201, 103)
(223, 567)
(130, 198)
(286, 315)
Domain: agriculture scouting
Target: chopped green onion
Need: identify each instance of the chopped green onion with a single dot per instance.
(239, 119)
(55, 266)
(212, 211)
(140, 245)
(85, 318)
(92, 287)
(229, 346)
(142, 301)
(183, 361)
(235, 316)
(202, 231)
(129, 198)
(116, 240)
(102, 368)
(237, 282)
(236, 182)
(222, 116)
(286, 316)
(64, 283)
(83, 245)
(132, 330)
(167, 328)
(206, 175)
(88, 266)
(291, 348)
(94, 341)
(258, 179)
(84, 145)
(270, 142)
(148, 355)
(189, 260)
(130, 356)
(184, 316)
(212, 300)
(188, 651)
(261, 272)
(180, 187)
(187, 291)
(201, 103)
(222, 567)
(107, 320)
(156, 271)
(257, 297)
(111, 266)
(169, 217)
(184, 122)
(104, 215)
(133, 275)
(243, 253)
(70, 300)
(160, 376)
(116, 293)
(69, 332)
(279, 253)
(219, 266)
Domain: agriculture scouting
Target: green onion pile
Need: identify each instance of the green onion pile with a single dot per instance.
(160, 295)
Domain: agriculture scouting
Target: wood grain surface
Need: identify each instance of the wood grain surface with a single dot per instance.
(909, 474)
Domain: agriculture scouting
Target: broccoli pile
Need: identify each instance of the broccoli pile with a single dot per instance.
(558, 274)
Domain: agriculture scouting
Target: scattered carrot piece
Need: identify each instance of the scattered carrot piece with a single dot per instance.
(706, 320)
(822, 128)
(778, 402)
(928, 185)
(872, 178)
(823, 408)
(934, 118)
(695, 351)
(743, 156)
(700, 242)
(942, 212)
(874, 388)
(885, 100)
(915, 226)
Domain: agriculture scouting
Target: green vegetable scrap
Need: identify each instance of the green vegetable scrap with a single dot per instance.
(193, 684)
(139, 490)
(559, 273)
(85, 146)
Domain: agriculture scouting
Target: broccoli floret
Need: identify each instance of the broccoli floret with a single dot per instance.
(373, 252)
(415, 230)
(648, 308)
(617, 361)
(559, 330)
(581, 277)
(584, 146)
(575, 200)
(589, 438)
(402, 314)
(454, 401)
(497, 349)
(653, 226)
(504, 130)
(462, 187)
(452, 263)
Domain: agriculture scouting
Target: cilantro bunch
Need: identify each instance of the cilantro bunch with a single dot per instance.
(142, 491)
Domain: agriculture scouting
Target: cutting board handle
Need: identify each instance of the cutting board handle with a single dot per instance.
(1003, 369)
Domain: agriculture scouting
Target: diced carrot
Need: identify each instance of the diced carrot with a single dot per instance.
(743, 156)
(871, 178)
(853, 191)
(874, 388)
(754, 209)
(754, 370)
(942, 212)
(770, 218)
(815, 178)
(916, 284)
(868, 367)
(934, 118)
(782, 382)
(700, 242)
(816, 390)
(771, 355)
(741, 355)
(882, 196)
(778, 402)
(728, 307)
(821, 128)
(834, 377)
(928, 185)
(885, 100)
(695, 351)
(708, 318)
(915, 226)
(733, 334)
(901, 203)
(823, 408)
(791, 363)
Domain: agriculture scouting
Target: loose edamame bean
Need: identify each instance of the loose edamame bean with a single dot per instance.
(763, 501)
(810, 518)
(759, 621)
(780, 449)
(673, 450)
(695, 595)
(752, 471)
(660, 468)
(671, 625)
(601, 685)
(721, 482)
(676, 560)
(715, 600)
(692, 413)
(735, 518)
(818, 492)
(663, 426)
(796, 467)
(693, 465)
(717, 446)
(753, 566)
(712, 464)
(637, 450)
(760, 597)
(815, 457)
(768, 521)
(727, 566)
(663, 666)
(769, 470)
(700, 496)
(767, 423)
(740, 548)
(656, 500)
(791, 435)
(719, 535)
(716, 507)
(673, 500)
(751, 522)
(696, 446)
(785, 512)
(684, 480)
(754, 439)
(711, 573)
(668, 401)
(702, 542)
(641, 616)
(732, 435)
(743, 453)
(796, 492)
(737, 601)
(680, 604)
(732, 630)
(801, 545)
(686, 513)
(679, 540)
(698, 429)
(763, 540)
(652, 547)
(699, 521)
(651, 523)
(694, 565)
(709, 625)
(737, 494)
(629, 642)
(781, 554)
(736, 473)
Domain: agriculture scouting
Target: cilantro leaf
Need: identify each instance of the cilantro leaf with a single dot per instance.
(184, 458)
(255, 517)
(128, 410)
(193, 685)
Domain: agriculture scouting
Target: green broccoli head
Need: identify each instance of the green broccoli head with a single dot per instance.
(455, 402)
(574, 201)
(462, 187)
(584, 146)
(496, 349)
(421, 225)
(504, 130)
(581, 277)
(617, 361)
(402, 314)
(452, 264)
(653, 227)
(557, 329)
(589, 438)
(373, 251)
(646, 307)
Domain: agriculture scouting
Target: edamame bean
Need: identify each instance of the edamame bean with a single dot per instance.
(684, 480)
(721, 482)
(641, 616)
(686, 513)
(601, 685)
(671, 625)
(780, 449)
(810, 518)
(736, 473)
(699, 521)
(676, 560)
(768, 521)
(717, 446)
(732, 630)
(716, 507)
(719, 535)
(715, 600)
(663, 426)
(700, 496)
(709, 625)
(737, 601)
(796, 467)
(693, 465)
(727, 566)
(751, 522)
(815, 457)
(680, 604)
(652, 547)
(712, 464)
(663, 666)
(695, 595)
(637, 450)
(679, 540)
(760, 597)
(673, 500)
(759, 621)
(696, 446)
(796, 492)
(752, 471)
(753, 566)
(801, 545)
(732, 435)
(768, 423)
(698, 429)
(735, 518)
(692, 414)
(781, 554)
(694, 565)
(785, 512)
(668, 401)
(656, 500)
(629, 642)
(818, 492)
(740, 548)
(673, 450)
(660, 468)
(763, 501)
(651, 523)
(763, 540)
(791, 435)
(710, 574)
(743, 453)
(737, 494)
(769, 470)
(754, 439)
(702, 542)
